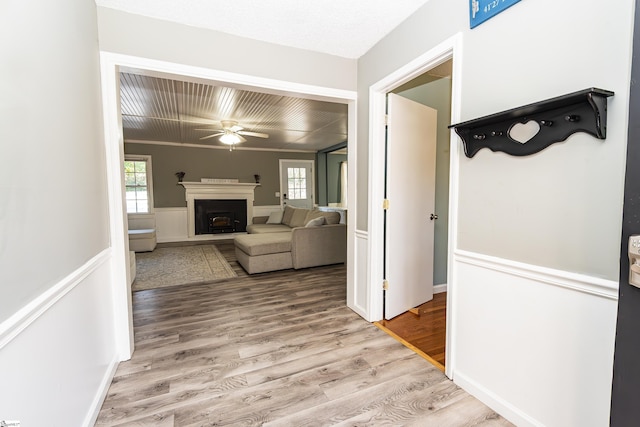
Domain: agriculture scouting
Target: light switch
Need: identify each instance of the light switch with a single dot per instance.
(277, 194)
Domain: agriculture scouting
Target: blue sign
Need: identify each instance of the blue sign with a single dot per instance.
(481, 10)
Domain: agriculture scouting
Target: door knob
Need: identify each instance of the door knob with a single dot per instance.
(433, 217)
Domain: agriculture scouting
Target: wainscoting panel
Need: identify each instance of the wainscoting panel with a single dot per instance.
(264, 210)
(66, 337)
(358, 297)
(533, 343)
(171, 224)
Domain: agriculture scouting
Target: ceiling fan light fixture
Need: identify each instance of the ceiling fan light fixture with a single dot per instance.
(230, 138)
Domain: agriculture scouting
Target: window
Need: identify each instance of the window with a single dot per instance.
(297, 183)
(137, 181)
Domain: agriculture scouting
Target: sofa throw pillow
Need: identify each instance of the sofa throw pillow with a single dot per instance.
(329, 217)
(275, 217)
(316, 222)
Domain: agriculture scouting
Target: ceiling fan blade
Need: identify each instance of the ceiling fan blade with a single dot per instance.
(212, 130)
(256, 134)
(185, 118)
(236, 128)
(212, 136)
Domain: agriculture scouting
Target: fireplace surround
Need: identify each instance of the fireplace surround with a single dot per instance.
(216, 191)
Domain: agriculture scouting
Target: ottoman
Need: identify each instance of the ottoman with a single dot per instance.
(142, 240)
(258, 253)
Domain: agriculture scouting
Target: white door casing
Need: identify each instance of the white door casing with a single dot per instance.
(372, 306)
(411, 177)
(114, 147)
(296, 174)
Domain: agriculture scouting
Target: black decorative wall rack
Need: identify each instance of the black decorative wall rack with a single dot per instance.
(557, 118)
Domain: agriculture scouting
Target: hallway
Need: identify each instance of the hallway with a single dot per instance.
(275, 349)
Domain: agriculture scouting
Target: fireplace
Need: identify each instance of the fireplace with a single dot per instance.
(205, 191)
(214, 216)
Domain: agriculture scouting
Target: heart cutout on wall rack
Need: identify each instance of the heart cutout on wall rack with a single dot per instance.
(523, 132)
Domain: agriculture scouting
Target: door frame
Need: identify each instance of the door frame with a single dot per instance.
(449, 49)
(110, 65)
(281, 162)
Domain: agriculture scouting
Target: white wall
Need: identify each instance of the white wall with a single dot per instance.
(58, 362)
(52, 174)
(57, 350)
(559, 209)
(129, 34)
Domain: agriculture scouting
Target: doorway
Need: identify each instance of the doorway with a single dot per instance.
(423, 326)
(111, 64)
(296, 183)
(403, 79)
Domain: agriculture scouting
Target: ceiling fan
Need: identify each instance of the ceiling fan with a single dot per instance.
(231, 133)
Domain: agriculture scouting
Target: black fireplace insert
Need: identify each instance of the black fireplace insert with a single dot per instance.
(220, 216)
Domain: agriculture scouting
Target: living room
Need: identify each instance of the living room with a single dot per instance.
(178, 126)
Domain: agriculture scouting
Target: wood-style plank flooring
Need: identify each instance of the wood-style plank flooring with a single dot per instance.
(425, 330)
(275, 349)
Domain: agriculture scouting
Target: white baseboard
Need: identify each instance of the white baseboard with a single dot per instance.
(100, 396)
(438, 289)
(503, 408)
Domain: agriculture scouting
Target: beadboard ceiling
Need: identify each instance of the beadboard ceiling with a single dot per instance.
(166, 110)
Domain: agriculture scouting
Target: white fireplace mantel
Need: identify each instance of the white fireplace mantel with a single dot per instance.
(212, 191)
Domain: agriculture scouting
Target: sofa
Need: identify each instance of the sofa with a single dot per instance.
(293, 238)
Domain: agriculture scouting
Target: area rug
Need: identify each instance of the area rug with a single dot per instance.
(180, 265)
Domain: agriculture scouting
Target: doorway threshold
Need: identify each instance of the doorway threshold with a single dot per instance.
(410, 346)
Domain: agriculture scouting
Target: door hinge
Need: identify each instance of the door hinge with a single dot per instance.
(385, 285)
(386, 120)
(385, 204)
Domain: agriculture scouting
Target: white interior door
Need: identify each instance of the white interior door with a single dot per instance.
(410, 180)
(296, 183)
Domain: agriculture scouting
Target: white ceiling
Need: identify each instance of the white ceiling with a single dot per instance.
(347, 28)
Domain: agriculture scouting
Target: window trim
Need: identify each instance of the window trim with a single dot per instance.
(147, 159)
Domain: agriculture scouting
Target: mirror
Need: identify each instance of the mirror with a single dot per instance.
(332, 172)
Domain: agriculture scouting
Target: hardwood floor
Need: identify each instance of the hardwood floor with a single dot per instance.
(275, 349)
(426, 330)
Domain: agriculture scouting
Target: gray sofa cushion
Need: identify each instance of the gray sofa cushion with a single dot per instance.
(329, 217)
(267, 228)
(287, 214)
(298, 218)
(262, 244)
